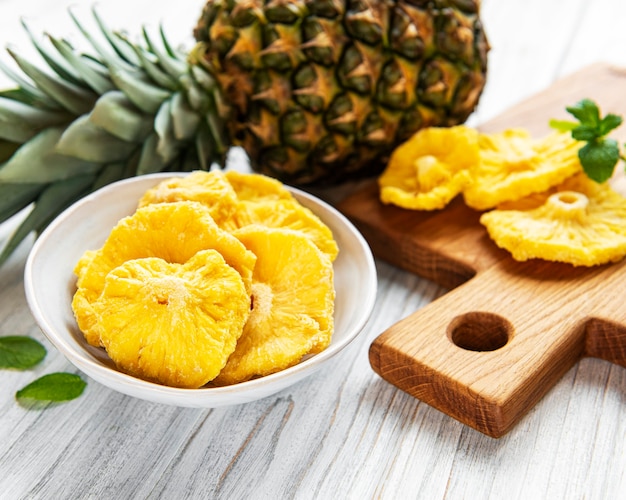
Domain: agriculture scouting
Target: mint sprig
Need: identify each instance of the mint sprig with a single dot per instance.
(600, 155)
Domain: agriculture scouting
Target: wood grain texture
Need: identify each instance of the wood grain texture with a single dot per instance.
(487, 351)
(345, 433)
(541, 311)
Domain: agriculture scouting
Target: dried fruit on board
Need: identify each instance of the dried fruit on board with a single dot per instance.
(292, 306)
(513, 165)
(580, 222)
(175, 324)
(430, 169)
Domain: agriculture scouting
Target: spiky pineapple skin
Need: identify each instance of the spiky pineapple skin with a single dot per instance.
(323, 90)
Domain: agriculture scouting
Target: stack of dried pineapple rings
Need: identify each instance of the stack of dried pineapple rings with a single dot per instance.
(216, 278)
(540, 203)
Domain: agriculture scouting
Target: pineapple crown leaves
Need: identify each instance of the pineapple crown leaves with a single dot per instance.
(600, 154)
(88, 119)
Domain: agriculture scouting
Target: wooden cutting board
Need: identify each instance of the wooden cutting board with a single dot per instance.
(489, 349)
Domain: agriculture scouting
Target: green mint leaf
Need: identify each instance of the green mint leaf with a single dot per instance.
(53, 387)
(563, 125)
(599, 158)
(600, 154)
(20, 353)
(608, 123)
(585, 133)
(586, 112)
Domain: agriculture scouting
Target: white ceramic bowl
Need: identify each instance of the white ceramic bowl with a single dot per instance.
(50, 284)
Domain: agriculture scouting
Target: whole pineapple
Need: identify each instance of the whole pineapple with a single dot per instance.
(315, 91)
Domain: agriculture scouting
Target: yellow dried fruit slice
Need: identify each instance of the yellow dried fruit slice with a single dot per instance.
(83, 263)
(250, 199)
(212, 189)
(257, 187)
(430, 169)
(292, 305)
(514, 165)
(266, 201)
(581, 223)
(81, 302)
(288, 214)
(174, 232)
(175, 324)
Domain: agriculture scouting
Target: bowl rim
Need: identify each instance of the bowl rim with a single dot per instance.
(80, 358)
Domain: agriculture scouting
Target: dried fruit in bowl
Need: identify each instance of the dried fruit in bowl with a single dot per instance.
(514, 165)
(179, 298)
(266, 201)
(292, 305)
(175, 324)
(245, 199)
(174, 232)
(580, 222)
(430, 169)
(288, 214)
(212, 189)
(257, 187)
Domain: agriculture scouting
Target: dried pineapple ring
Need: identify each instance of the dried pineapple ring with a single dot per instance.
(237, 200)
(174, 232)
(582, 223)
(288, 214)
(212, 189)
(430, 169)
(257, 187)
(175, 324)
(292, 305)
(266, 201)
(513, 165)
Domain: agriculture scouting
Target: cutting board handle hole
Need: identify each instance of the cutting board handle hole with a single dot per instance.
(480, 331)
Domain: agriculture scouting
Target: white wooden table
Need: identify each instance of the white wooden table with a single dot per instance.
(344, 433)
